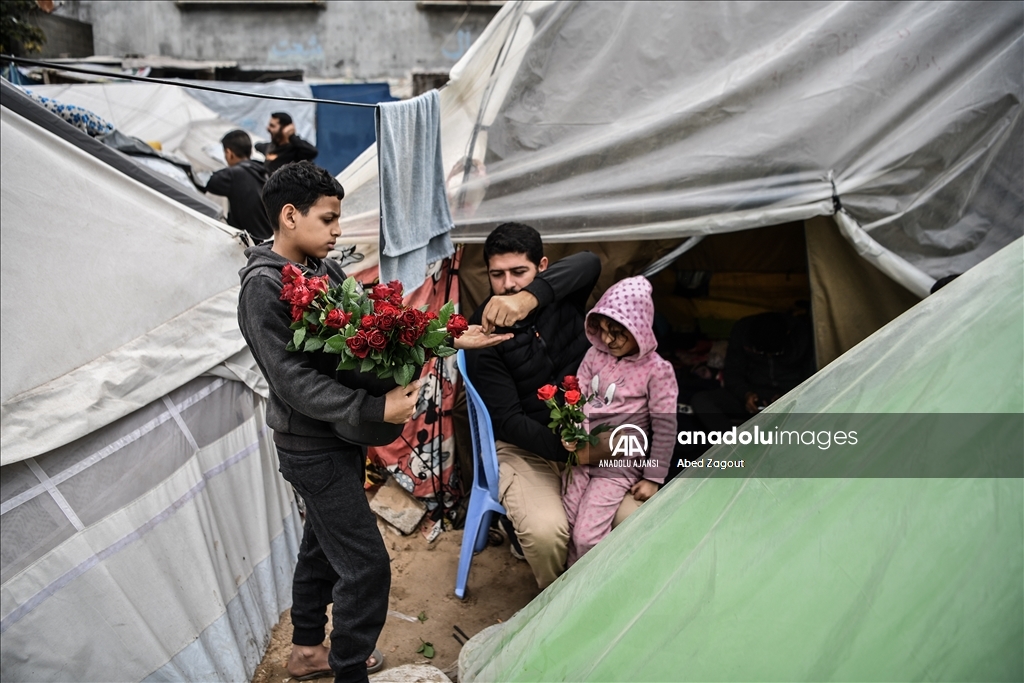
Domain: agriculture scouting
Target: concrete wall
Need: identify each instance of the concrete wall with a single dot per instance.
(359, 40)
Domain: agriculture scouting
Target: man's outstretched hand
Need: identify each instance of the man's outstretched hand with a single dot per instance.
(475, 338)
(505, 310)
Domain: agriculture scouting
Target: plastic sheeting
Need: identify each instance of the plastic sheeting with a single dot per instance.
(113, 294)
(253, 114)
(622, 121)
(719, 578)
(160, 546)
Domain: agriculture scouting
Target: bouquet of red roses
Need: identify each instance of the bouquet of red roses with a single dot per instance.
(567, 418)
(370, 330)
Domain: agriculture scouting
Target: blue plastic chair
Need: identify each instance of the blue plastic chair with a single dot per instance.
(483, 496)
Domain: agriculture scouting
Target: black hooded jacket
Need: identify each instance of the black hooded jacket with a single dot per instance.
(548, 345)
(307, 393)
(242, 185)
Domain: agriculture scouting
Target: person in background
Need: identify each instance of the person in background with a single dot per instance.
(242, 182)
(285, 146)
(769, 354)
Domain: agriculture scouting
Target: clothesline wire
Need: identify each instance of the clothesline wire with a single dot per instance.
(180, 84)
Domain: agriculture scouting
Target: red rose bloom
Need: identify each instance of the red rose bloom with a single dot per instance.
(570, 383)
(318, 284)
(379, 292)
(386, 321)
(572, 397)
(382, 307)
(297, 312)
(291, 273)
(358, 345)
(367, 321)
(547, 392)
(337, 319)
(457, 325)
(377, 340)
(409, 336)
(301, 296)
(396, 287)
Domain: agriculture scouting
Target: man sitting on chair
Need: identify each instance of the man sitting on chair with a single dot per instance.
(543, 307)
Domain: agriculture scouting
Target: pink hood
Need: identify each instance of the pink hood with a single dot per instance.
(629, 303)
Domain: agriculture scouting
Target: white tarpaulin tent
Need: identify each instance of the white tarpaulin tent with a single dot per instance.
(625, 121)
(145, 530)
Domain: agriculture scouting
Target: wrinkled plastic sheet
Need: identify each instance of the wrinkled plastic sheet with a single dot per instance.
(766, 578)
(618, 121)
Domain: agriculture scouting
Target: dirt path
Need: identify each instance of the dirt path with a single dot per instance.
(423, 581)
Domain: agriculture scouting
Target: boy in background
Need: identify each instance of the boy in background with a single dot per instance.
(242, 182)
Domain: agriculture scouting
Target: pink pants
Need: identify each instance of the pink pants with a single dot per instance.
(590, 504)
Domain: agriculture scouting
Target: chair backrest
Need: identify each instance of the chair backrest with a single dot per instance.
(485, 458)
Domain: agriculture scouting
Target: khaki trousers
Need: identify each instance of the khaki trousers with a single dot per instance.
(530, 489)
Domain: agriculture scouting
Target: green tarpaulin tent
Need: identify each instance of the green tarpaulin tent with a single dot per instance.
(755, 576)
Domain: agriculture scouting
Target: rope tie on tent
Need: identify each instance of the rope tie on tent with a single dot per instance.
(180, 84)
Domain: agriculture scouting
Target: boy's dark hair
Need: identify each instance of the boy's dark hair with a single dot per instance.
(282, 117)
(301, 184)
(238, 142)
(514, 238)
(769, 333)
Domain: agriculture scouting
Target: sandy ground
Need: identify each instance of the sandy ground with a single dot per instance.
(423, 581)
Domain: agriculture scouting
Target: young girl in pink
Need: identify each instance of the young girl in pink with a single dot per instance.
(633, 385)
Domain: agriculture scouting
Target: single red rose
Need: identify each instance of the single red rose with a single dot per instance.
(377, 340)
(409, 336)
(337, 319)
(386, 321)
(297, 312)
(358, 345)
(571, 383)
(291, 273)
(301, 296)
(396, 287)
(366, 322)
(409, 318)
(318, 284)
(431, 315)
(572, 397)
(547, 392)
(395, 300)
(379, 292)
(382, 307)
(457, 325)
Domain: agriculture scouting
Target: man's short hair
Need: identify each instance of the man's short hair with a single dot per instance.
(238, 142)
(301, 184)
(282, 117)
(514, 238)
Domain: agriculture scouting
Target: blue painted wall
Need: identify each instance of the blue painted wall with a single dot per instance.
(342, 133)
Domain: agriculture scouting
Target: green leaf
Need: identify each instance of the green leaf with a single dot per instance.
(348, 287)
(299, 337)
(426, 649)
(419, 357)
(335, 344)
(348, 363)
(403, 374)
(445, 313)
(367, 308)
(443, 351)
(366, 365)
(383, 372)
(422, 617)
(313, 344)
(432, 339)
(290, 347)
(556, 414)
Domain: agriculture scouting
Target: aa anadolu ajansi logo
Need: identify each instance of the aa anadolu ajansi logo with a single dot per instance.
(628, 441)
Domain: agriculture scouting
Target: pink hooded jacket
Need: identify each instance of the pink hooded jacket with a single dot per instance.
(639, 389)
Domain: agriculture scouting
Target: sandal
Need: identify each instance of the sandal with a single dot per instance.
(377, 654)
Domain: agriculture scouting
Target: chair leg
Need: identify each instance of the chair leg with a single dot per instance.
(474, 517)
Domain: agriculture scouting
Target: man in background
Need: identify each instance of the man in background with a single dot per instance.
(285, 146)
(242, 182)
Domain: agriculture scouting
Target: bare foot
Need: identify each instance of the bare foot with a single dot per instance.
(308, 659)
